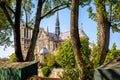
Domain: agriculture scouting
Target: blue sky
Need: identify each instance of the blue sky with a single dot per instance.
(88, 25)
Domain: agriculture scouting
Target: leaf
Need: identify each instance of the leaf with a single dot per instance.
(115, 28)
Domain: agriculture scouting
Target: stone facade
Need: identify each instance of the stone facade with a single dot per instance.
(48, 40)
(51, 42)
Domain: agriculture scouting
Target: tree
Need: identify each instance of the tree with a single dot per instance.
(76, 44)
(44, 8)
(75, 36)
(104, 29)
(107, 17)
(82, 64)
(15, 25)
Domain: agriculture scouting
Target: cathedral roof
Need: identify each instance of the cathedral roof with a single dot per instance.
(52, 36)
(66, 35)
(83, 34)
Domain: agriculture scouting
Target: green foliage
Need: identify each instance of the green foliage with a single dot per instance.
(115, 15)
(84, 2)
(60, 4)
(70, 74)
(85, 49)
(65, 56)
(113, 53)
(110, 9)
(92, 15)
(5, 37)
(5, 31)
(46, 71)
(49, 60)
(13, 58)
(94, 56)
(27, 10)
(50, 5)
(114, 46)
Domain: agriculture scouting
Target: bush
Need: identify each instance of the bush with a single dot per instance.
(49, 60)
(13, 58)
(46, 71)
(70, 74)
(65, 56)
(112, 54)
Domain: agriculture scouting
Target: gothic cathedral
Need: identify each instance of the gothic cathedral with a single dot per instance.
(46, 39)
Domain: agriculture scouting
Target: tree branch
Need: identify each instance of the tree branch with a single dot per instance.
(3, 41)
(11, 9)
(54, 10)
(7, 15)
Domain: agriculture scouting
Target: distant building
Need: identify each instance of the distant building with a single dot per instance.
(25, 37)
(46, 39)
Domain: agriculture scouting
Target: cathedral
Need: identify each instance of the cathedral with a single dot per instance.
(46, 39)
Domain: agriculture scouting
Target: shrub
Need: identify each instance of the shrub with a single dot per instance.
(65, 56)
(46, 71)
(13, 58)
(70, 74)
(49, 60)
(112, 54)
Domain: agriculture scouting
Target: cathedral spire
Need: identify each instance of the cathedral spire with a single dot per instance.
(57, 28)
(57, 20)
(47, 30)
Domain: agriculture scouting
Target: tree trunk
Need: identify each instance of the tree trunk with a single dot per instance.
(15, 26)
(85, 72)
(103, 29)
(76, 44)
(30, 54)
(16, 31)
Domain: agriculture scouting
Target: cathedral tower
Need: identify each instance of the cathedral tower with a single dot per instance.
(57, 27)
